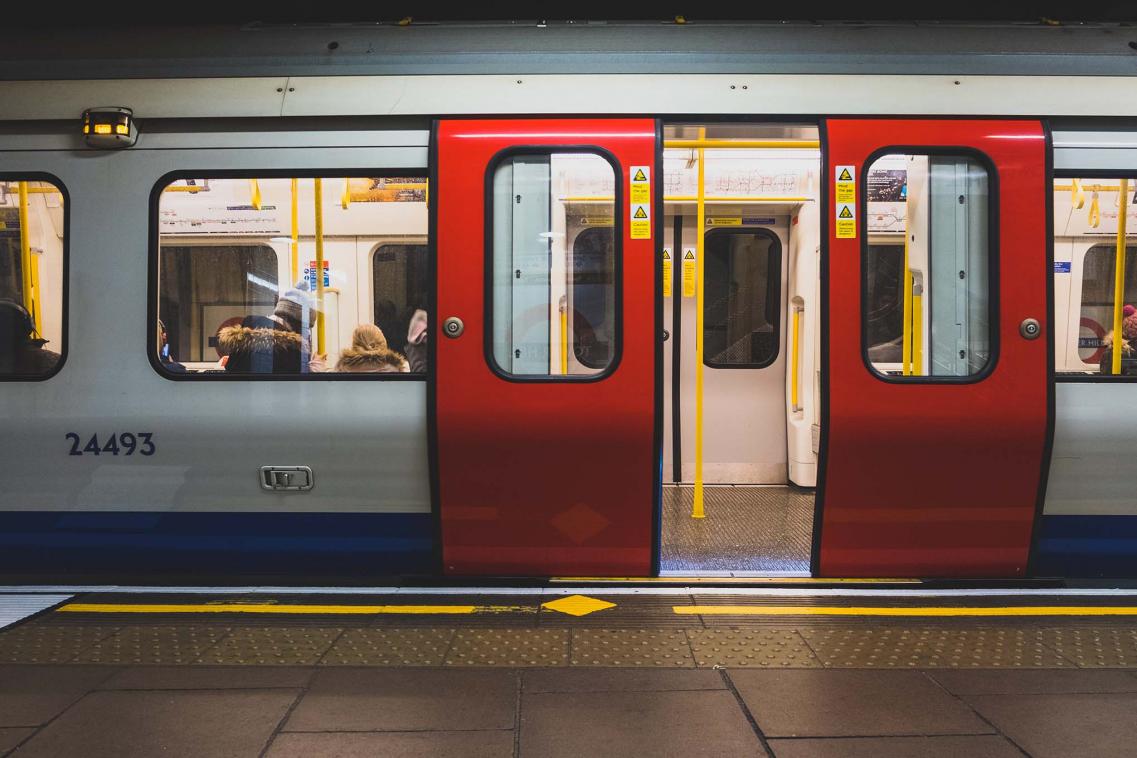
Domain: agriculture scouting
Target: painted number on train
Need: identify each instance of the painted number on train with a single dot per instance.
(124, 443)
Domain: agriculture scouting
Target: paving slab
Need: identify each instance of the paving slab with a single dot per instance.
(1036, 681)
(986, 746)
(509, 647)
(197, 724)
(657, 724)
(1060, 726)
(209, 678)
(850, 703)
(493, 744)
(350, 699)
(631, 647)
(33, 695)
(619, 680)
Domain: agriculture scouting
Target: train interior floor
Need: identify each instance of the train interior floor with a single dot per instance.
(684, 672)
(747, 530)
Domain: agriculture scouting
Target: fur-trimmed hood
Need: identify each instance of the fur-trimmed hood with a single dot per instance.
(260, 350)
(379, 359)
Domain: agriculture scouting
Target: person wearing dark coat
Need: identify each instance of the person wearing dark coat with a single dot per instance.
(21, 352)
(259, 345)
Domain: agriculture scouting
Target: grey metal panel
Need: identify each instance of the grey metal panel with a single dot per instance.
(364, 440)
(626, 47)
(1095, 431)
(1095, 150)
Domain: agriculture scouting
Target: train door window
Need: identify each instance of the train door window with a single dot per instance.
(940, 205)
(400, 281)
(537, 279)
(742, 298)
(1095, 347)
(32, 252)
(268, 276)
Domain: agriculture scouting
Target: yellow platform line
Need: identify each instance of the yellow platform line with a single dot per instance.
(359, 610)
(731, 580)
(800, 610)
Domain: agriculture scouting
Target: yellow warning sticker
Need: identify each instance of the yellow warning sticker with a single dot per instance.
(641, 221)
(641, 184)
(846, 221)
(668, 272)
(688, 273)
(597, 221)
(846, 184)
(724, 221)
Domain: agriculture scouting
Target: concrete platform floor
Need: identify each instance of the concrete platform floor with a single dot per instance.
(193, 676)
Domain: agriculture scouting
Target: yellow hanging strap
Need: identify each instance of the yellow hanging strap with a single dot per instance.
(319, 274)
(1077, 195)
(255, 193)
(1119, 277)
(1095, 212)
(697, 510)
(295, 232)
(345, 199)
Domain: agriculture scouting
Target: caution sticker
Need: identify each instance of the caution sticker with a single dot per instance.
(641, 221)
(641, 184)
(724, 221)
(668, 272)
(688, 273)
(846, 221)
(846, 184)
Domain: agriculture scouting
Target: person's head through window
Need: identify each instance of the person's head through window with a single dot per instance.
(260, 345)
(370, 353)
(22, 351)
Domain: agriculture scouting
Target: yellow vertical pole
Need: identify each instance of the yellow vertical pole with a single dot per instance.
(795, 358)
(1119, 276)
(917, 329)
(697, 510)
(295, 232)
(564, 335)
(319, 202)
(26, 275)
(906, 329)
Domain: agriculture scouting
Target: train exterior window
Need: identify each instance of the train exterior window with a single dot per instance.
(742, 302)
(400, 283)
(939, 206)
(545, 294)
(267, 277)
(32, 274)
(1095, 345)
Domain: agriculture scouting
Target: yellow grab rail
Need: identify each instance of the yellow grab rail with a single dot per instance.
(1119, 278)
(697, 509)
(906, 330)
(795, 361)
(917, 326)
(742, 144)
(564, 334)
(1077, 195)
(319, 273)
(740, 199)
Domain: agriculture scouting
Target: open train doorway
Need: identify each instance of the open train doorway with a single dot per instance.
(741, 385)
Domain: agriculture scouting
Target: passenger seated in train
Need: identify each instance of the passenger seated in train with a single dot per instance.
(296, 311)
(20, 351)
(416, 348)
(164, 356)
(261, 345)
(369, 353)
(1128, 335)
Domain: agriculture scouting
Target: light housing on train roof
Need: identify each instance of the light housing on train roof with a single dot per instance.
(109, 128)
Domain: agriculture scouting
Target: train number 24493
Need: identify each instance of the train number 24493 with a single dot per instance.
(125, 443)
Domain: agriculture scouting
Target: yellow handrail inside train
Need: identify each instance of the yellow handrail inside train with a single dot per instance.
(743, 144)
(345, 199)
(694, 198)
(1095, 212)
(564, 335)
(319, 273)
(906, 329)
(697, 509)
(795, 359)
(917, 328)
(1119, 277)
(28, 272)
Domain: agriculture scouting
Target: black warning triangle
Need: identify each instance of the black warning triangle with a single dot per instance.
(845, 176)
(666, 255)
(639, 213)
(689, 256)
(845, 212)
(639, 177)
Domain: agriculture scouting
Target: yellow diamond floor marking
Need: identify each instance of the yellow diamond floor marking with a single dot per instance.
(577, 605)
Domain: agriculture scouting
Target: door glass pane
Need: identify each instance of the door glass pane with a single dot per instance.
(742, 298)
(548, 296)
(938, 206)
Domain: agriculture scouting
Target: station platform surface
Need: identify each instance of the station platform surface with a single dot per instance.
(568, 672)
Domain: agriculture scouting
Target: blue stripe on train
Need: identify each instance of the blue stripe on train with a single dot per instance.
(1087, 546)
(291, 544)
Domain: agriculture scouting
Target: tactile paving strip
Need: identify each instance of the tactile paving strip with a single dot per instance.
(295, 646)
(763, 648)
(748, 529)
(154, 645)
(48, 643)
(509, 647)
(390, 647)
(631, 647)
(1099, 647)
(928, 647)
